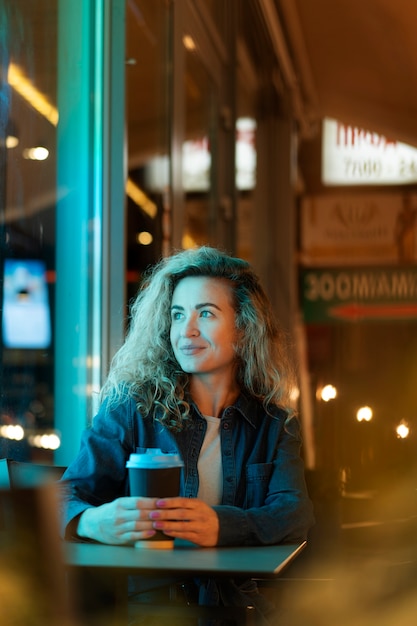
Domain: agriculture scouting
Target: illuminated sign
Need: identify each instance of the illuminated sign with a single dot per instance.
(360, 294)
(354, 156)
(196, 158)
(26, 314)
(197, 162)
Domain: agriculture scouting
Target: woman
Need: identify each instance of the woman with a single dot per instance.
(204, 373)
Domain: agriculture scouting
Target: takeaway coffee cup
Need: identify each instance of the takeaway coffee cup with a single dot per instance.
(156, 475)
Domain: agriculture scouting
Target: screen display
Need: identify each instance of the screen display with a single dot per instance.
(26, 320)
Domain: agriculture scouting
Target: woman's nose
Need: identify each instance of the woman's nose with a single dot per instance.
(190, 328)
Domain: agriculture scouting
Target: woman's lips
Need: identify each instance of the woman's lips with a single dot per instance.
(190, 349)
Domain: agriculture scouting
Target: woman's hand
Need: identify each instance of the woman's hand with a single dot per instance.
(125, 520)
(186, 518)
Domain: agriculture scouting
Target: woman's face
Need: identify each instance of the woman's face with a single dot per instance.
(203, 329)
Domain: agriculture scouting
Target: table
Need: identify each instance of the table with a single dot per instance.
(185, 560)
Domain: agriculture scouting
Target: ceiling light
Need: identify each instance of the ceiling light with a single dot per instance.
(11, 141)
(144, 238)
(37, 100)
(37, 153)
(188, 42)
(12, 137)
(140, 198)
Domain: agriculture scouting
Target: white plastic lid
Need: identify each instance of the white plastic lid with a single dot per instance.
(154, 458)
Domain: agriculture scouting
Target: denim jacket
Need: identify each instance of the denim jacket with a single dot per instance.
(264, 498)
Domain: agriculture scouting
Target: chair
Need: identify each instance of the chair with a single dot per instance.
(15, 474)
(33, 585)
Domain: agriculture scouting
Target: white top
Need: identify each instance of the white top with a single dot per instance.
(209, 464)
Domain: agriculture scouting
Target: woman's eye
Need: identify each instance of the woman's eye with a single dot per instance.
(206, 313)
(176, 315)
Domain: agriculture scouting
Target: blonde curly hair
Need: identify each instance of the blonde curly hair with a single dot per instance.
(145, 367)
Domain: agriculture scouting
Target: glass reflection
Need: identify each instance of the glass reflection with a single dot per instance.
(28, 120)
(198, 182)
(148, 229)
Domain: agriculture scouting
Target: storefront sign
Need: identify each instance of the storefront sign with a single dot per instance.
(362, 294)
(354, 156)
(359, 229)
(197, 162)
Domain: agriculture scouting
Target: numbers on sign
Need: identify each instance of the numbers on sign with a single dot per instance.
(360, 169)
(407, 168)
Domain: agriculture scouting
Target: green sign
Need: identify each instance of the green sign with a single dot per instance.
(358, 294)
